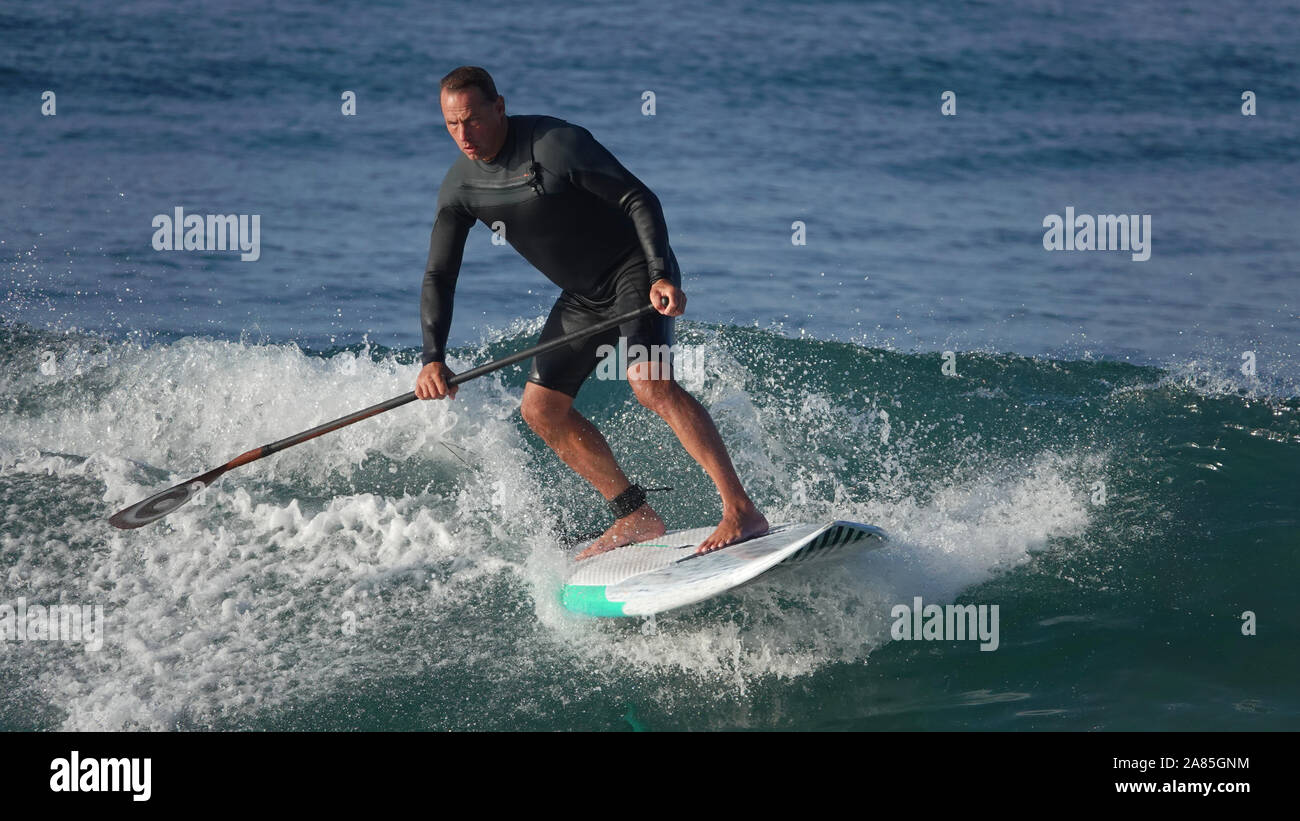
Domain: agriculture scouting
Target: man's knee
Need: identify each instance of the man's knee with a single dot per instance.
(655, 394)
(544, 408)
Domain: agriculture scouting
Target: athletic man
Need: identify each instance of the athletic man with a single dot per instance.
(570, 209)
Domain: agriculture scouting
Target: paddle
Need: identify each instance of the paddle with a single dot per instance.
(160, 504)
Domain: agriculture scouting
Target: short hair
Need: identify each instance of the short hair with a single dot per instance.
(470, 77)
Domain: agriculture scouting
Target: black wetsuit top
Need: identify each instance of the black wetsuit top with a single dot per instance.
(568, 207)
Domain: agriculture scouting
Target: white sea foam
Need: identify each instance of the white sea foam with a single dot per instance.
(229, 609)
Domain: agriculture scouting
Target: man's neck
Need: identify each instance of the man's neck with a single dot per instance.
(505, 138)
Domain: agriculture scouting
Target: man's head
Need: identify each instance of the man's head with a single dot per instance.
(475, 114)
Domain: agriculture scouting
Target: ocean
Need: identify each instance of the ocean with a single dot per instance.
(1104, 447)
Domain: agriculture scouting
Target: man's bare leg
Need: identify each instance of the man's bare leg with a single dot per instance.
(695, 428)
(581, 446)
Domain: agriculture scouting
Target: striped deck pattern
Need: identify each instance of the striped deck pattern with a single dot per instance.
(832, 544)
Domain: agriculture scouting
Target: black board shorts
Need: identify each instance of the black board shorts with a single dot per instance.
(567, 367)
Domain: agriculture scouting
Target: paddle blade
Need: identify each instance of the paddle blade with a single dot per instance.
(160, 504)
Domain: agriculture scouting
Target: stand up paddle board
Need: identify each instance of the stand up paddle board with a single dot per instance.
(663, 573)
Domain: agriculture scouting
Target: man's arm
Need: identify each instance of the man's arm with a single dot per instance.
(446, 249)
(571, 149)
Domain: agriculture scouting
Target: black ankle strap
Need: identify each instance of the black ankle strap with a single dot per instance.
(627, 502)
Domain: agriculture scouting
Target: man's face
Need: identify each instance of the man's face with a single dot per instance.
(477, 126)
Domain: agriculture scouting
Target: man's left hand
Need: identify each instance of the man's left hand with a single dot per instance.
(663, 289)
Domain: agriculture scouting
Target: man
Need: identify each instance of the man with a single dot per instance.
(595, 230)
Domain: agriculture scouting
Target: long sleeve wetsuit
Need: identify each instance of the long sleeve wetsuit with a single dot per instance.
(569, 208)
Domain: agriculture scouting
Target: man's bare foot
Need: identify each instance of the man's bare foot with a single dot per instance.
(736, 526)
(638, 526)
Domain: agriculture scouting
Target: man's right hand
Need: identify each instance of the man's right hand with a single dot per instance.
(433, 382)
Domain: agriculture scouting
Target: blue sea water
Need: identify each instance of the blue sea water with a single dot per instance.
(1105, 464)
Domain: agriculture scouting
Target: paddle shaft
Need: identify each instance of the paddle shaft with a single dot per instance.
(398, 401)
